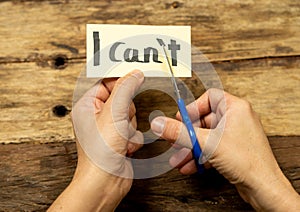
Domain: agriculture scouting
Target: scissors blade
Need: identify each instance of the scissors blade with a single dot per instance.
(162, 43)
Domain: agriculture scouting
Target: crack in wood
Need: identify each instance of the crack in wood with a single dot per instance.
(7, 60)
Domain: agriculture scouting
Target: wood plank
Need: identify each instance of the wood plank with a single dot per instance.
(30, 92)
(43, 65)
(226, 30)
(33, 175)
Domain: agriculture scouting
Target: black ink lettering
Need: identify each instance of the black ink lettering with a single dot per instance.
(96, 48)
(112, 52)
(132, 55)
(174, 47)
(135, 56)
(147, 53)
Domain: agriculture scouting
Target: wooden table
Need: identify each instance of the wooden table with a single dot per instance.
(253, 45)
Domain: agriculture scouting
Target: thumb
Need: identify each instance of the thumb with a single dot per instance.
(176, 132)
(123, 93)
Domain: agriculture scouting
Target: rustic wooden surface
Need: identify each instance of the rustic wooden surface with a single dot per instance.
(253, 45)
(33, 175)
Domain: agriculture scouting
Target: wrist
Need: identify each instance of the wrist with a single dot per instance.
(100, 188)
(274, 194)
(100, 193)
(92, 189)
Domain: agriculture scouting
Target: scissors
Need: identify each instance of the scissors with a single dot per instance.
(196, 150)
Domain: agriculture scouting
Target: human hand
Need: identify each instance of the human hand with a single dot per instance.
(104, 122)
(233, 141)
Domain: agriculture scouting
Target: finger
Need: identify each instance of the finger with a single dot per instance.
(213, 101)
(102, 92)
(133, 123)
(210, 101)
(169, 129)
(181, 157)
(189, 168)
(132, 110)
(209, 121)
(193, 112)
(176, 146)
(98, 105)
(88, 101)
(109, 83)
(132, 126)
(135, 142)
(123, 92)
(175, 131)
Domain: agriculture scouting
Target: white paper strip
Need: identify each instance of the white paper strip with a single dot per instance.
(115, 50)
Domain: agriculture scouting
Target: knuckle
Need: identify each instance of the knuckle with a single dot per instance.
(216, 92)
(177, 132)
(227, 96)
(174, 131)
(213, 90)
(246, 105)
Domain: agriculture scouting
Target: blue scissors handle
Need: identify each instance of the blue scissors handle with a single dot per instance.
(197, 152)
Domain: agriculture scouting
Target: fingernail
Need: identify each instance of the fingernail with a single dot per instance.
(138, 74)
(157, 125)
(173, 162)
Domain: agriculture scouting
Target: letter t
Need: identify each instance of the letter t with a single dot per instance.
(174, 47)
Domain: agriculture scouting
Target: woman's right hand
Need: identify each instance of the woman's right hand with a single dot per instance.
(233, 141)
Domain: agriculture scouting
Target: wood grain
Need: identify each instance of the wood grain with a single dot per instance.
(223, 30)
(33, 175)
